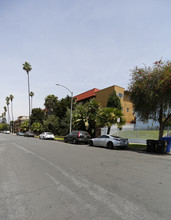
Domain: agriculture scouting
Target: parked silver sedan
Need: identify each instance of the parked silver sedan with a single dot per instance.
(109, 141)
(47, 135)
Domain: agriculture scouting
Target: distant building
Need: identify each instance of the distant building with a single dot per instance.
(19, 121)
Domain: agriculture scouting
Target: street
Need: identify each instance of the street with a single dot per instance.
(52, 180)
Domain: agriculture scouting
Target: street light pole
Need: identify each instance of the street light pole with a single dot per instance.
(70, 127)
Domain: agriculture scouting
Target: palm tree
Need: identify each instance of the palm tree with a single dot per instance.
(3, 117)
(31, 95)
(27, 68)
(5, 110)
(7, 102)
(4, 114)
(12, 115)
(50, 103)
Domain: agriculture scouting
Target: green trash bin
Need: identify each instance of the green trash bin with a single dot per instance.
(151, 145)
(161, 147)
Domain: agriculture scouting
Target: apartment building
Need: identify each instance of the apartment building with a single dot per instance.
(102, 96)
(18, 122)
(86, 96)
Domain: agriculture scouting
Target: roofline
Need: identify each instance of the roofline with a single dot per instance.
(111, 87)
(85, 92)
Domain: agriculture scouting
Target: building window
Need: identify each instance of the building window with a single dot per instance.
(120, 95)
(127, 109)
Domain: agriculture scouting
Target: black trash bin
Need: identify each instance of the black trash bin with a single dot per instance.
(151, 145)
(161, 147)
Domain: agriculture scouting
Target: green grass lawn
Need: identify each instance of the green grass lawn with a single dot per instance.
(137, 146)
(59, 138)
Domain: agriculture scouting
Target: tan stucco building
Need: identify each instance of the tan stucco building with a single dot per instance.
(102, 96)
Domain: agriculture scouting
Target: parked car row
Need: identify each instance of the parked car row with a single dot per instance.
(5, 132)
(107, 141)
(75, 137)
(44, 135)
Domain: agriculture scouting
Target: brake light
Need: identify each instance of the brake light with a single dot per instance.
(79, 134)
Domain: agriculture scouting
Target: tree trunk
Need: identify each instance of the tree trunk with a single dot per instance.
(108, 130)
(161, 128)
(12, 115)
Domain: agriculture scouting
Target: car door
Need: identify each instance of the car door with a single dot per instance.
(104, 141)
(100, 140)
(70, 137)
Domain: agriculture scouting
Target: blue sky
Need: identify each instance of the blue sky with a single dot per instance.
(81, 44)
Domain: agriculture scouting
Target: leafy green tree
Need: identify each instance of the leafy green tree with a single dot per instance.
(50, 104)
(85, 116)
(27, 67)
(25, 126)
(150, 89)
(79, 118)
(37, 115)
(64, 123)
(61, 107)
(92, 107)
(52, 124)
(114, 101)
(4, 127)
(37, 127)
(108, 116)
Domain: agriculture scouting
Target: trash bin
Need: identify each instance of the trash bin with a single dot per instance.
(151, 145)
(168, 139)
(161, 147)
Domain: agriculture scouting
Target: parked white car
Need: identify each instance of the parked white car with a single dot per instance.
(47, 135)
(6, 132)
(109, 141)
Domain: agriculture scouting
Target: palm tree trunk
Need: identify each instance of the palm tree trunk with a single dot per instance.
(8, 115)
(31, 103)
(29, 97)
(12, 115)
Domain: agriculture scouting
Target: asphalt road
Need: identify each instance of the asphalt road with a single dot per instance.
(51, 180)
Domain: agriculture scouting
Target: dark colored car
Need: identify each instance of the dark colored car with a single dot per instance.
(29, 134)
(77, 137)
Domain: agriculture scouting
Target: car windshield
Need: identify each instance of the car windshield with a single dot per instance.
(48, 133)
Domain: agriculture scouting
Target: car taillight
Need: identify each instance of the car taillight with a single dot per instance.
(79, 134)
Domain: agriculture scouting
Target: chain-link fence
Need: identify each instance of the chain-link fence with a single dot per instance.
(137, 133)
(142, 133)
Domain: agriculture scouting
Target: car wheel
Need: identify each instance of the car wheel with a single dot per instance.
(90, 143)
(110, 145)
(65, 140)
(74, 141)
